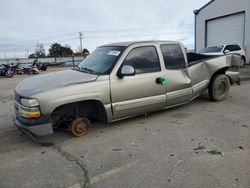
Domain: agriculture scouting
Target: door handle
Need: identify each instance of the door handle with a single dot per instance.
(161, 80)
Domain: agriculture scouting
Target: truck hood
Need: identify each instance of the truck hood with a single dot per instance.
(40, 83)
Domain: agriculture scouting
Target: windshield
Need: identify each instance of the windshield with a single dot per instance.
(212, 49)
(102, 60)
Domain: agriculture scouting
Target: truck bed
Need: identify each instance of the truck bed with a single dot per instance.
(195, 58)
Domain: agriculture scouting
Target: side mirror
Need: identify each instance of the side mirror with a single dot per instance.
(226, 51)
(126, 70)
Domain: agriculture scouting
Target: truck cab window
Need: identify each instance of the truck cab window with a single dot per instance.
(173, 56)
(232, 48)
(143, 59)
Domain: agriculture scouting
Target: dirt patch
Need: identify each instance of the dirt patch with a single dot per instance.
(6, 98)
(181, 115)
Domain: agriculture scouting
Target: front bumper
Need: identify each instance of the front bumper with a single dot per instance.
(37, 130)
(38, 139)
(34, 128)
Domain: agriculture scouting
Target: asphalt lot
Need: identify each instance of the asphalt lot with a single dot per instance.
(201, 144)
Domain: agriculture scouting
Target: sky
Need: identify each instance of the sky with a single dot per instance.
(24, 23)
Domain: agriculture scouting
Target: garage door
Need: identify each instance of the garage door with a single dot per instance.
(229, 29)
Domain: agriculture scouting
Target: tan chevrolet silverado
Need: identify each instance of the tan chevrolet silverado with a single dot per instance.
(117, 81)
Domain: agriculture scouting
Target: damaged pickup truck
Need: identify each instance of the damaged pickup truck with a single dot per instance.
(117, 81)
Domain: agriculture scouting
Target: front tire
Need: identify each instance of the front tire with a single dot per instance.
(219, 87)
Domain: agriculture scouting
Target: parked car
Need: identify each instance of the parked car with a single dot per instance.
(6, 70)
(118, 81)
(226, 49)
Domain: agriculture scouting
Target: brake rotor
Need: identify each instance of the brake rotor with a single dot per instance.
(78, 127)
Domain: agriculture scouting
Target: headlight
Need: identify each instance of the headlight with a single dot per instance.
(29, 102)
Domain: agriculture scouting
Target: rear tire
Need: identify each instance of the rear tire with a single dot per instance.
(219, 87)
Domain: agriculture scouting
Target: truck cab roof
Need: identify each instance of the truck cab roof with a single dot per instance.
(129, 43)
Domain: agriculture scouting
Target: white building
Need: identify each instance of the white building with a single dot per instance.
(222, 22)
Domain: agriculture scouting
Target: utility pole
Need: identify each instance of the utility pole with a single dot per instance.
(80, 36)
(5, 54)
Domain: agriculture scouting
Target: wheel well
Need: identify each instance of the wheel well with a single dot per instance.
(92, 109)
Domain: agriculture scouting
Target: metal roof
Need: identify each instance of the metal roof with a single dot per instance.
(196, 12)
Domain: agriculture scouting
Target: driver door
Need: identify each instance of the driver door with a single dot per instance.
(139, 93)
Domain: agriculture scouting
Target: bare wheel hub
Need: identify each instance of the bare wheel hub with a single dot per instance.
(78, 127)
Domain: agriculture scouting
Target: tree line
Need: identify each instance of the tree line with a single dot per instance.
(57, 50)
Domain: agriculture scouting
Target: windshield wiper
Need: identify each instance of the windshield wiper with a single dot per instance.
(76, 68)
(90, 71)
(86, 70)
(82, 69)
